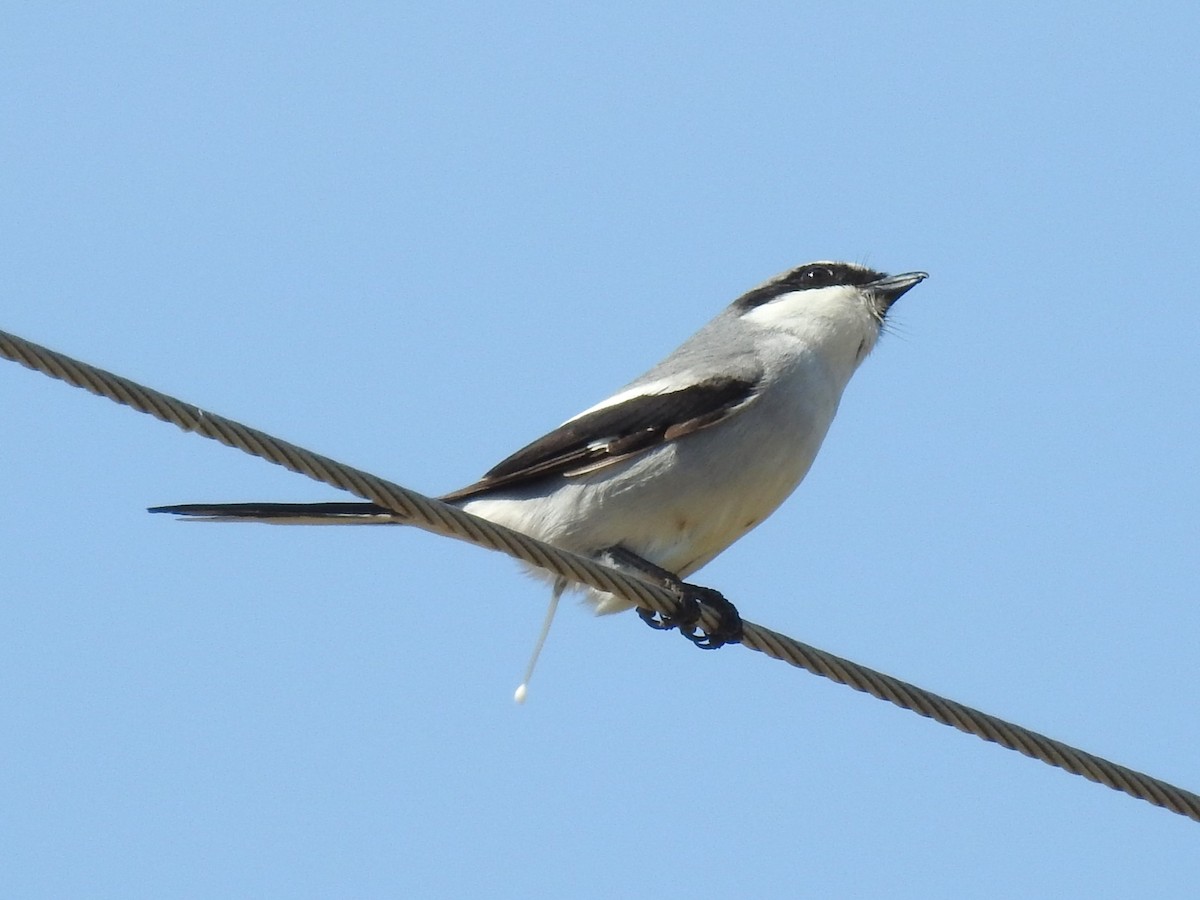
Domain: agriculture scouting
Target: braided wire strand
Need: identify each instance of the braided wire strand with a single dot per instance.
(440, 518)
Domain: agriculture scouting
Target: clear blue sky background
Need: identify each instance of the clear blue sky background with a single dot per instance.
(415, 238)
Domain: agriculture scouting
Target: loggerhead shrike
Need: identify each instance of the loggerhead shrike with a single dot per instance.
(673, 468)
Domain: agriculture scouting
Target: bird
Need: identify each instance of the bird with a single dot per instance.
(671, 469)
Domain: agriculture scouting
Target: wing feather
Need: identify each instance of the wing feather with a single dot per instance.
(614, 433)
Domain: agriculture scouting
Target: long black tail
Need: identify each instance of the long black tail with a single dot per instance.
(283, 513)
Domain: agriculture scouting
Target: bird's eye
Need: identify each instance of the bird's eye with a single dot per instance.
(818, 276)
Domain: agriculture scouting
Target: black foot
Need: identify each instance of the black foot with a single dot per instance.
(685, 620)
(729, 625)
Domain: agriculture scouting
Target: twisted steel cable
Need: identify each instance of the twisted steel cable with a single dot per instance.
(440, 518)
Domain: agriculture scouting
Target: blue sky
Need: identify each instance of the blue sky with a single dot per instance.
(413, 239)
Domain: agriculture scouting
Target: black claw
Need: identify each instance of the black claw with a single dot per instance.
(729, 626)
(729, 621)
(651, 618)
(687, 616)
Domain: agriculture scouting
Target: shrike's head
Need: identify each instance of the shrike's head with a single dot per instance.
(829, 303)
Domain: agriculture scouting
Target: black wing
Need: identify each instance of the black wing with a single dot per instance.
(617, 432)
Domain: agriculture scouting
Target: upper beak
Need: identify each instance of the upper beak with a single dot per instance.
(891, 288)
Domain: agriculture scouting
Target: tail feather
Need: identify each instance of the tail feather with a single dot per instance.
(283, 513)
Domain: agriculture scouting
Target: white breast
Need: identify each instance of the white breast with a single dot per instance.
(681, 504)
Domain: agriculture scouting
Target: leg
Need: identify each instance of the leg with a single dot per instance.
(729, 628)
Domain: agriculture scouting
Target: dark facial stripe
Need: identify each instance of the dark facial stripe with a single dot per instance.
(808, 277)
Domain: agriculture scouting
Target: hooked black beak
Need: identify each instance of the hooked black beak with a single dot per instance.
(889, 289)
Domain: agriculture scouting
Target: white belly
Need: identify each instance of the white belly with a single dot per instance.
(681, 504)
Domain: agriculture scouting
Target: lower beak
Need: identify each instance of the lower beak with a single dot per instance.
(890, 289)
